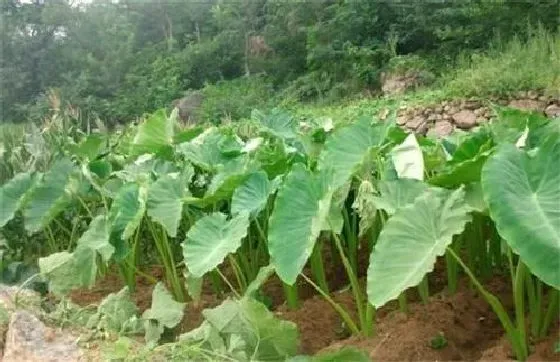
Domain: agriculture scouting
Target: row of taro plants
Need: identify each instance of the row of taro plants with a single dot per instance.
(269, 194)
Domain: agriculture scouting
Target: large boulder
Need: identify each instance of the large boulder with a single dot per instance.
(29, 340)
(188, 107)
(464, 119)
(392, 84)
(552, 111)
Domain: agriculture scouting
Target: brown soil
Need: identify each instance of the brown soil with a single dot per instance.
(465, 320)
(111, 283)
(541, 351)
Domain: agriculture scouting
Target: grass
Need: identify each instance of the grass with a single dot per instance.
(510, 67)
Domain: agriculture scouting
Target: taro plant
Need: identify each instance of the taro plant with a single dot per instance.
(519, 189)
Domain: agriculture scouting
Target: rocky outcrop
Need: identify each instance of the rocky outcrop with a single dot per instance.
(24, 337)
(29, 340)
(443, 118)
(188, 106)
(392, 84)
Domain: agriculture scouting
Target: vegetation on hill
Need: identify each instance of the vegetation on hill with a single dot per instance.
(118, 60)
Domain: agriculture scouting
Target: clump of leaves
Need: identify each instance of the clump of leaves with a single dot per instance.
(117, 313)
(438, 341)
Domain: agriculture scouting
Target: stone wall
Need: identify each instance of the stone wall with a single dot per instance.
(444, 117)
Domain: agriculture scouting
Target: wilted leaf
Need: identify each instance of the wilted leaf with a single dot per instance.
(265, 337)
(165, 311)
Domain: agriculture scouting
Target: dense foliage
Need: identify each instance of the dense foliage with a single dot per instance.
(267, 195)
(117, 60)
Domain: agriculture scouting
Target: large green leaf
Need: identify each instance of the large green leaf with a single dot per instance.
(204, 151)
(523, 197)
(155, 133)
(93, 242)
(229, 176)
(252, 195)
(411, 241)
(211, 239)
(466, 162)
(408, 159)
(511, 124)
(165, 201)
(49, 197)
(277, 123)
(396, 194)
(90, 147)
(301, 211)
(127, 210)
(12, 195)
(349, 147)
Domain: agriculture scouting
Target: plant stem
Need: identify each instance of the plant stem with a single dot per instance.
(403, 305)
(291, 293)
(51, 240)
(511, 331)
(317, 268)
(216, 282)
(534, 297)
(551, 311)
(424, 290)
(352, 242)
(84, 205)
(345, 316)
(237, 294)
(241, 281)
(452, 269)
(353, 282)
(519, 299)
(370, 320)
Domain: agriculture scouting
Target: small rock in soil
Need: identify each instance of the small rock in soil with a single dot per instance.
(479, 111)
(552, 111)
(532, 94)
(417, 124)
(401, 120)
(29, 340)
(443, 128)
(471, 104)
(527, 104)
(465, 119)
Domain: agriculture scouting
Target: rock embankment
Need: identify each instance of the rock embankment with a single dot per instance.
(444, 117)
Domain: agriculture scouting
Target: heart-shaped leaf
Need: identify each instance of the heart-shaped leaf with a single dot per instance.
(523, 197)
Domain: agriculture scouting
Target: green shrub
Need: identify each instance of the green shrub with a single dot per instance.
(235, 99)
